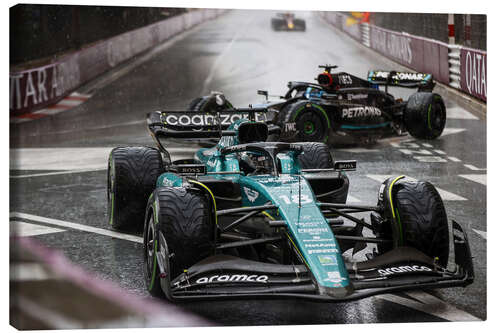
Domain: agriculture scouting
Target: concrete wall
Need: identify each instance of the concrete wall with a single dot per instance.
(38, 87)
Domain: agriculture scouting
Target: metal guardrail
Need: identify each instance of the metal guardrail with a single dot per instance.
(454, 62)
(463, 64)
(365, 34)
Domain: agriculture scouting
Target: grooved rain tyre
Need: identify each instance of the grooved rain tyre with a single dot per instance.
(311, 122)
(132, 175)
(425, 115)
(423, 219)
(202, 104)
(317, 155)
(184, 218)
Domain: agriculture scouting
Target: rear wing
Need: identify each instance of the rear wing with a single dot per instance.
(422, 81)
(191, 125)
(199, 125)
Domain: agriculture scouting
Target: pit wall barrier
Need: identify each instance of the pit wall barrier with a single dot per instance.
(454, 65)
(39, 87)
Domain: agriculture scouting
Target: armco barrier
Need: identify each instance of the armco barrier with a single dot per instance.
(459, 67)
(36, 88)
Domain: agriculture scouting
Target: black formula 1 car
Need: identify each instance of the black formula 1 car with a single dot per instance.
(342, 108)
(349, 109)
(252, 218)
(287, 22)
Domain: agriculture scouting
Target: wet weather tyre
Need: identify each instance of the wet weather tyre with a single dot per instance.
(422, 217)
(183, 216)
(311, 122)
(132, 175)
(317, 155)
(425, 115)
(206, 104)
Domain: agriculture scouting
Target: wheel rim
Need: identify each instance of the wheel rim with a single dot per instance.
(436, 117)
(111, 189)
(150, 239)
(311, 126)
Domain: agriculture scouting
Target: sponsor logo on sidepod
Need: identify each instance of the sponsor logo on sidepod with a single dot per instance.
(361, 111)
(403, 269)
(233, 278)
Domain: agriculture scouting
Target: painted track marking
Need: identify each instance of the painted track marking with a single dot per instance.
(474, 168)
(459, 113)
(481, 179)
(77, 226)
(480, 233)
(64, 159)
(445, 195)
(448, 131)
(430, 304)
(351, 199)
(57, 173)
(23, 229)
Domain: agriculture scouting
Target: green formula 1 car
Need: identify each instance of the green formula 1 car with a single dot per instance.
(250, 218)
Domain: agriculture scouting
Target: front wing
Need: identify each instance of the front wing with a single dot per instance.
(404, 268)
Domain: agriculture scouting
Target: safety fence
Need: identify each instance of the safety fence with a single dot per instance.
(454, 65)
(38, 87)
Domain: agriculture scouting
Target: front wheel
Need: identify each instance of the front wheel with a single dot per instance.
(425, 115)
(183, 217)
(418, 217)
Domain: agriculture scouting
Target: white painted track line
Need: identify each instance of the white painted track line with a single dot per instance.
(448, 131)
(57, 173)
(64, 159)
(445, 195)
(23, 229)
(77, 226)
(480, 233)
(459, 113)
(431, 305)
(481, 179)
(351, 199)
(474, 168)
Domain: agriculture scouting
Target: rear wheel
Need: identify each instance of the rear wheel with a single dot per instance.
(425, 115)
(316, 155)
(420, 219)
(207, 104)
(132, 175)
(183, 217)
(311, 121)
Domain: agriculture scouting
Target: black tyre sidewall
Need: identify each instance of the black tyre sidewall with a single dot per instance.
(421, 114)
(302, 111)
(185, 221)
(132, 175)
(423, 218)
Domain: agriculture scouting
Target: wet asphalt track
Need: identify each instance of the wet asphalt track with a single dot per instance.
(237, 53)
